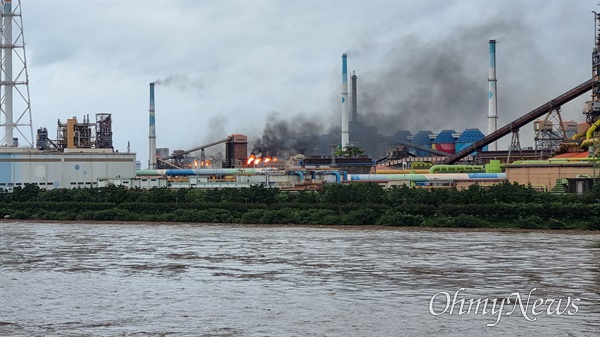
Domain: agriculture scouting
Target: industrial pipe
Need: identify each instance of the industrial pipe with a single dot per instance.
(427, 177)
(456, 168)
(590, 132)
(300, 174)
(197, 172)
(337, 175)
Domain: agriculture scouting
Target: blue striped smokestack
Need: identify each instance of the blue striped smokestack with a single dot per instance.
(493, 101)
(345, 119)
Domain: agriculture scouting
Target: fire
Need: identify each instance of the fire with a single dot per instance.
(256, 159)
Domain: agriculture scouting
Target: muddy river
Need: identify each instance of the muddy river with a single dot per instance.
(69, 279)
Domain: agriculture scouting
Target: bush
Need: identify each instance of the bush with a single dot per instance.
(395, 218)
(555, 224)
(530, 222)
(469, 221)
(438, 221)
(365, 216)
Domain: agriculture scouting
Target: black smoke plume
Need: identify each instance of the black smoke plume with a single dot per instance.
(287, 137)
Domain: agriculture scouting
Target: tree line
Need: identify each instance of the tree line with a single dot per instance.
(506, 205)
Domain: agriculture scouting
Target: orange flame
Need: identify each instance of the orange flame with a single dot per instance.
(257, 160)
(250, 160)
(267, 160)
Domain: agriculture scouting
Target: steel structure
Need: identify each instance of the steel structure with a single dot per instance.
(14, 78)
(198, 148)
(104, 131)
(177, 156)
(515, 145)
(549, 134)
(592, 110)
(521, 121)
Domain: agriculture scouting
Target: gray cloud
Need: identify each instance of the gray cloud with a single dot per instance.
(251, 58)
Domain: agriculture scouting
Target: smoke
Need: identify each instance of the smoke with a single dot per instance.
(181, 82)
(216, 127)
(433, 85)
(284, 138)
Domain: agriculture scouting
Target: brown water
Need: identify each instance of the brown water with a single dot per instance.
(213, 280)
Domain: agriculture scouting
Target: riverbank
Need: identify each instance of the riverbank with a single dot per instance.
(309, 226)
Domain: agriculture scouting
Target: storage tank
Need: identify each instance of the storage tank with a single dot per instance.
(467, 138)
(445, 142)
(422, 139)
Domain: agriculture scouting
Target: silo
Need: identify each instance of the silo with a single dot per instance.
(423, 139)
(468, 137)
(445, 142)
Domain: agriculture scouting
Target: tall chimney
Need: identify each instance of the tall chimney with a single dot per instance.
(152, 132)
(493, 100)
(345, 124)
(354, 108)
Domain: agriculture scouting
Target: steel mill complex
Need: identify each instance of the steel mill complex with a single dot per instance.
(81, 152)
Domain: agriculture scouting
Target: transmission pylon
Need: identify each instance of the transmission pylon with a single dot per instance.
(15, 115)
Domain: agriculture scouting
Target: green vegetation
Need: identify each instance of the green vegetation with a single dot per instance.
(500, 206)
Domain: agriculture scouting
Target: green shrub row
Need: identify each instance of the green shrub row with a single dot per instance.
(504, 205)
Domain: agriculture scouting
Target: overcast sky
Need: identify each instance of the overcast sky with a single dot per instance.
(228, 66)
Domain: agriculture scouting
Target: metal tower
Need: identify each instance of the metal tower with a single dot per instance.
(515, 145)
(14, 79)
(592, 109)
(550, 133)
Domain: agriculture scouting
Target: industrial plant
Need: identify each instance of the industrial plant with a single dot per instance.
(81, 152)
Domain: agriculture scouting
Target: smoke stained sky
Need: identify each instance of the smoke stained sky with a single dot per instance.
(226, 66)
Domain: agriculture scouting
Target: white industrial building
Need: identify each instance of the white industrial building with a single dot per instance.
(71, 168)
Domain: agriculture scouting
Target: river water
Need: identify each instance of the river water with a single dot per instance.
(224, 280)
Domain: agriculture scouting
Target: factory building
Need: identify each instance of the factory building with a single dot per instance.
(69, 169)
(80, 155)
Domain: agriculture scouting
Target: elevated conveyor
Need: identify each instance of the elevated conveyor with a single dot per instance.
(194, 149)
(520, 122)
